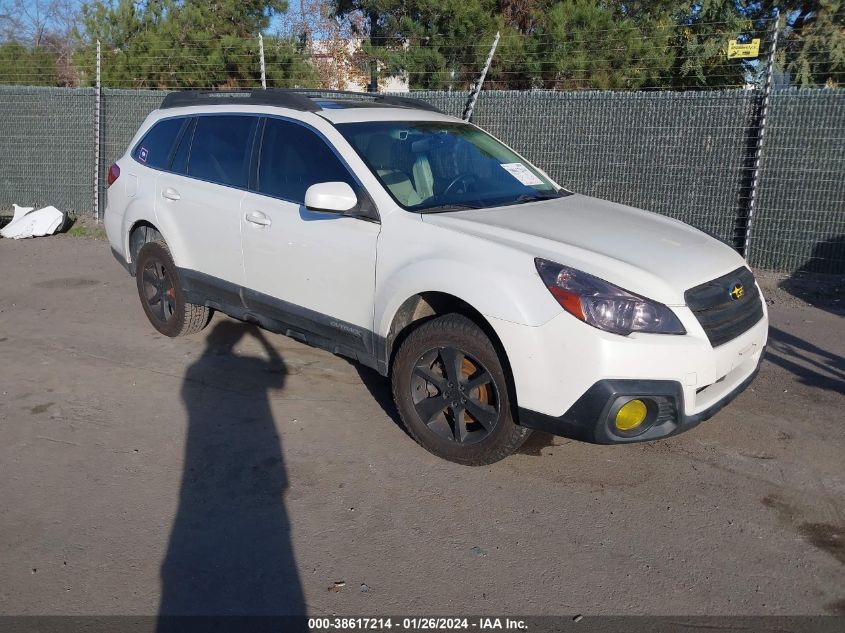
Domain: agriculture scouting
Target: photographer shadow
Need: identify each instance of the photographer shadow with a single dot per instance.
(230, 552)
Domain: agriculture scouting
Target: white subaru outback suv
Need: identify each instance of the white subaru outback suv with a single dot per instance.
(417, 244)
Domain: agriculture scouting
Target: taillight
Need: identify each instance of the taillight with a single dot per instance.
(114, 174)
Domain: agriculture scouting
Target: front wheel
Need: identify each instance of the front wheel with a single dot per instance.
(451, 392)
(162, 296)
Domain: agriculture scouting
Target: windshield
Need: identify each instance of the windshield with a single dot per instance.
(434, 166)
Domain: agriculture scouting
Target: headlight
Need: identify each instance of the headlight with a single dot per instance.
(603, 305)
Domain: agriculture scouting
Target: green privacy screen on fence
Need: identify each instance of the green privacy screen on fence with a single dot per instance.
(679, 154)
(800, 221)
(47, 147)
(689, 155)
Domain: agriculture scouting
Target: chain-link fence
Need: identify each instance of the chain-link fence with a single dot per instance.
(689, 155)
(800, 219)
(47, 143)
(682, 154)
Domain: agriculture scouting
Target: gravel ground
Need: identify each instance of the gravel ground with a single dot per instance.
(242, 472)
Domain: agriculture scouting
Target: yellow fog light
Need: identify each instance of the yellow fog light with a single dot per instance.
(631, 415)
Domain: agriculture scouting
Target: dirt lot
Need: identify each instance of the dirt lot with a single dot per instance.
(237, 471)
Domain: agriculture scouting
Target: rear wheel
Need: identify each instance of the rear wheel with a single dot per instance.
(451, 392)
(162, 296)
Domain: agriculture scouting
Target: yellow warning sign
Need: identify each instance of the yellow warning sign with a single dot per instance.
(737, 50)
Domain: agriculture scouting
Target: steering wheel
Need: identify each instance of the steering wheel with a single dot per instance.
(465, 178)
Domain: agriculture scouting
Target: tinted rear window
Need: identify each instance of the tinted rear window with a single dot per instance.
(220, 151)
(154, 149)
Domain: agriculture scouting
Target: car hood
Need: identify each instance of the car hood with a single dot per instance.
(642, 252)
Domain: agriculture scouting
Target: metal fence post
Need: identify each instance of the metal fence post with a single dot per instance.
(372, 85)
(261, 59)
(473, 95)
(758, 153)
(97, 95)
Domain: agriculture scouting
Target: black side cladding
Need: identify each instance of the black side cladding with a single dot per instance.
(723, 311)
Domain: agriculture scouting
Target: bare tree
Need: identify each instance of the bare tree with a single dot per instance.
(332, 44)
(31, 22)
(46, 24)
(520, 14)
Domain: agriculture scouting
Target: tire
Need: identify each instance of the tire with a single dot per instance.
(469, 420)
(162, 296)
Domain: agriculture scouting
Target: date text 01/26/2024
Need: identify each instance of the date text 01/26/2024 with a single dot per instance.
(415, 624)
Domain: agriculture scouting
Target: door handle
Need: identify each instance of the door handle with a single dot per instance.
(171, 194)
(256, 217)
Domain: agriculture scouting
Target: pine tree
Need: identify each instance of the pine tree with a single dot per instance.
(189, 44)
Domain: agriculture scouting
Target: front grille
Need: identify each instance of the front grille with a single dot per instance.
(722, 315)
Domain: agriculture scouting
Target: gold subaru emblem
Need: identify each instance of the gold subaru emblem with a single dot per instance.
(737, 291)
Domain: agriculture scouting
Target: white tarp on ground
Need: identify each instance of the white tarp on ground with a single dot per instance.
(29, 223)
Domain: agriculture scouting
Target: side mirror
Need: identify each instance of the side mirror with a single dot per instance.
(330, 197)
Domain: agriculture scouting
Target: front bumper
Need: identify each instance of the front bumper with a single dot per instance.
(591, 418)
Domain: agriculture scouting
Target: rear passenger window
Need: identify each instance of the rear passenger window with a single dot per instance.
(221, 149)
(293, 158)
(154, 149)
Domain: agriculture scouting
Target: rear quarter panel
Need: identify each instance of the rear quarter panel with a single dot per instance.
(131, 199)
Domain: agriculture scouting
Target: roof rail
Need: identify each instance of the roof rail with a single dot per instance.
(408, 102)
(295, 98)
(258, 96)
(377, 97)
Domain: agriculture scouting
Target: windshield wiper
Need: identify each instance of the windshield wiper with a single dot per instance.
(534, 197)
(443, 208)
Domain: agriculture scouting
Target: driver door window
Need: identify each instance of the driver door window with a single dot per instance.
(293, 158)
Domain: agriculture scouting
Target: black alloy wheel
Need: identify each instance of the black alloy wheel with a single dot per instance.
(161, 293)
(159, 289)
(454, 394)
